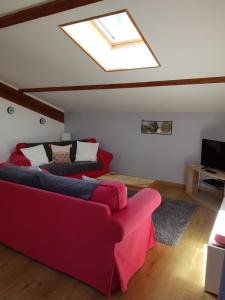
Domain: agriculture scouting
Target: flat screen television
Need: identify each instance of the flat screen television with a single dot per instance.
(213, 154)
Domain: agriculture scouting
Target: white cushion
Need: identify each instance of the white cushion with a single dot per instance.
(86, 151)
(36, 155)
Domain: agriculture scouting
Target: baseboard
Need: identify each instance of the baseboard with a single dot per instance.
(171, 184)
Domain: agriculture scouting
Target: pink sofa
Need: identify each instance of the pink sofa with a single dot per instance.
(102, 242)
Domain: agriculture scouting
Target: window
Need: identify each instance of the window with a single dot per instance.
(113, 41)
(118, 28)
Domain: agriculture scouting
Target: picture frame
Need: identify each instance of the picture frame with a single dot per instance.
(156, 127)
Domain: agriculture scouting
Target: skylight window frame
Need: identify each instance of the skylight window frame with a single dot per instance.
(116, 44)
(106, 33)
(102, 30)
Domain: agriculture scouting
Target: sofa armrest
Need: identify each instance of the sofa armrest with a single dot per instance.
(104, 156)
(139, 207)
(19, 159)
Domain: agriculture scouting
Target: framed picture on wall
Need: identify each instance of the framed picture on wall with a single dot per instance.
(157, 127)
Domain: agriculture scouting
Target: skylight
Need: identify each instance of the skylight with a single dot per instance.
(118, 28)
(113, 41)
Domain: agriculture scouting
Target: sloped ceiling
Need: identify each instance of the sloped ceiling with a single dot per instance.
(10, 6)
(186, 36)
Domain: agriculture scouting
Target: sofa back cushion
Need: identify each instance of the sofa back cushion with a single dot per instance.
(112, 193)
(36, 155)
(86, 151)
(61, 154)
(48, 149)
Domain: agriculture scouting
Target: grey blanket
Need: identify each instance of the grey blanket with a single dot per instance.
(66, 169)
(49, 182)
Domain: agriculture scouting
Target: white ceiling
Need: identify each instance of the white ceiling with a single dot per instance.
(186, 36)
(163, 99)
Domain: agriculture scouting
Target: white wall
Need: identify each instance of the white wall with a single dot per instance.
(24, 126)
(154, 156)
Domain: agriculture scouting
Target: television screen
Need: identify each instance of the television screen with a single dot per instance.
(213, 154)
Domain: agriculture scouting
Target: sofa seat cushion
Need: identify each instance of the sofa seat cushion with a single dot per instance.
(112, 193)
(66, 169)
(49, 182)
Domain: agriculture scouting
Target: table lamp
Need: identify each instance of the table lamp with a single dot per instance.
(66, 136)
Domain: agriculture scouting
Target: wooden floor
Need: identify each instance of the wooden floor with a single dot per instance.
(173, 273)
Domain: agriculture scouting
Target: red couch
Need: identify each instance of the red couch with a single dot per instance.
(86, 239)
(103, 157)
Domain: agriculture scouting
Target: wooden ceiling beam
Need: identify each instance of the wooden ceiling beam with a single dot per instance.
(29, 102)
(130, 85)
(42, 10)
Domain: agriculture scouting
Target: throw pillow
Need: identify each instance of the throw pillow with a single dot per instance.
(86, 151)
(61, 157)
(61, 154)
(65, 149)
(36, 155)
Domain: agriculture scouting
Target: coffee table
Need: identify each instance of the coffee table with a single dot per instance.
(133, 182)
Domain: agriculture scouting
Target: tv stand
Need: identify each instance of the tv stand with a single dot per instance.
(217, 184)
(205, 195)
(209, 170)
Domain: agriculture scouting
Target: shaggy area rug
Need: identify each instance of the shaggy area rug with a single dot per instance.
(171, 219)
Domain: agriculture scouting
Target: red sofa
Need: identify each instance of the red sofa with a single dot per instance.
(86, 239)
(103, 157)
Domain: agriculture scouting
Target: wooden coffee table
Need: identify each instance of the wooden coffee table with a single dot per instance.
(133, 182)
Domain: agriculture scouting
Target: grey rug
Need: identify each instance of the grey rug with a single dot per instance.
(171, 219)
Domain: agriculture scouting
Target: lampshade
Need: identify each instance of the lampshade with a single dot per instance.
(66, 136)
